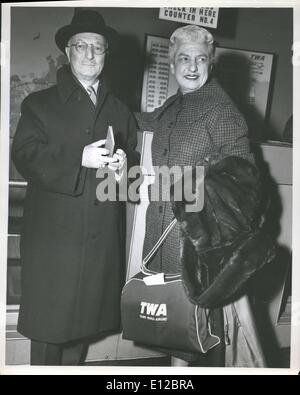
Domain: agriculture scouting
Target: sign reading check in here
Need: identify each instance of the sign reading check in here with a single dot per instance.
(204, 16)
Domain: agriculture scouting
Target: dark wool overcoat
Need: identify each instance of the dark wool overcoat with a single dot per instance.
(71, 245)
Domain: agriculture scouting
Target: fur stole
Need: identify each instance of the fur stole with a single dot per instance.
(225, 243)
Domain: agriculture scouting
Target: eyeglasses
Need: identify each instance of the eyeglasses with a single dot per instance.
(199, 60)
(81, 47)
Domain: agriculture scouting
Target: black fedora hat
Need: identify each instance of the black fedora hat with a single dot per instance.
(85, 21)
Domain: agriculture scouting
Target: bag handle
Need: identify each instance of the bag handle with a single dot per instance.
(158, 244)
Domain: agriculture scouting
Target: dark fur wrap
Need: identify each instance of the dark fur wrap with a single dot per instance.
(225, 243)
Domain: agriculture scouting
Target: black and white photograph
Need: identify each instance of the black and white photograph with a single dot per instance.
(148, 189)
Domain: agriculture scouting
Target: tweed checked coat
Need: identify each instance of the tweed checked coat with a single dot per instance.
(72, 244)
(188, 130)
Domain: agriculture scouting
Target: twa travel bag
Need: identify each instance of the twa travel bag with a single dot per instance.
(156, 311)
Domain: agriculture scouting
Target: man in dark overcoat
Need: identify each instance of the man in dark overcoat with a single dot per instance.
(71, 245)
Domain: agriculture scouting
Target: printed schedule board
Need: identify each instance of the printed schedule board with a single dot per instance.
(204, 16)
(158, 83)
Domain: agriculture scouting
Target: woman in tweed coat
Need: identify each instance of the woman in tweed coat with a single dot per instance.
(199, 122)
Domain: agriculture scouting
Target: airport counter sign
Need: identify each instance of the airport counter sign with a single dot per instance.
(204, 16)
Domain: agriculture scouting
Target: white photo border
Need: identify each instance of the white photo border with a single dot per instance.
(4, 176)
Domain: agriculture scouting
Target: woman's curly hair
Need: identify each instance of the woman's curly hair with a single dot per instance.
(191, 33)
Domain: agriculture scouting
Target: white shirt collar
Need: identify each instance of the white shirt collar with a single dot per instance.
(95, 85)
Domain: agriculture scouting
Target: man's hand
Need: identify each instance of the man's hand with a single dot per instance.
(95, 157)
(119, 164)
(119, 161)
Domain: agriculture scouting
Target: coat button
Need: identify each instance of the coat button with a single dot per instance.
(88, 131)
(171, 124)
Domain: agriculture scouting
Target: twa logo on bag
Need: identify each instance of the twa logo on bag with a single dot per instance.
(153, 311)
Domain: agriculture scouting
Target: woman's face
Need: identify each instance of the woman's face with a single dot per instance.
(191, 66)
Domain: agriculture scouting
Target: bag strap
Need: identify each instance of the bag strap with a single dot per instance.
(158, 244)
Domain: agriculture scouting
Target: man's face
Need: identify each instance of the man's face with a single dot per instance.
(85, 64)
(191, 66)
